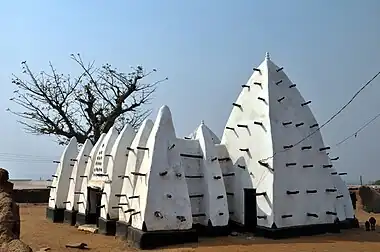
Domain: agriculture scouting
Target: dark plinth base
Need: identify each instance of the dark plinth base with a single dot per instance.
(155, 239)
(121, 229)
(210, 231)
(349, 223)
(82, 219)
(238, 227)
(106, 227)
(70, 217)
(56, 215)
(281, 233)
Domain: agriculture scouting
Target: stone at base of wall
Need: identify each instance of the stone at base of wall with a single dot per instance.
(121, 229)
(106, 227)
(282, 233)
(211, 231)
(56, 215)
(155, 239)
(70, 217)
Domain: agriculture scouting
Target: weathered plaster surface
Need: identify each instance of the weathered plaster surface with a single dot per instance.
(75, 178)
(214, 137)
(191, 159)
(116, 167)
(60, 184)
(269, 116)
(206, 204)
(135, 157)
(82, 202)
(99, 175)
(163, 201)
(230, 182)
(215, 200)
(344, 203)
(104, 155)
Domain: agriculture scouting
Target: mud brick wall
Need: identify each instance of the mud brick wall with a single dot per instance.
(31, 195)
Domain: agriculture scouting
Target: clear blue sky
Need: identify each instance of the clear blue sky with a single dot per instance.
(207, 49)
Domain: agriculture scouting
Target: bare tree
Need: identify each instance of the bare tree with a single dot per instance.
(84, 106)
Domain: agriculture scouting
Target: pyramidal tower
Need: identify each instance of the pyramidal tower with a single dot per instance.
(273, 136)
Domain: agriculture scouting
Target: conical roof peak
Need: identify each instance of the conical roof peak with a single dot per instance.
(267, 56)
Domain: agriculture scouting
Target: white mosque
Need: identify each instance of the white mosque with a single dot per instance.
(269, 174)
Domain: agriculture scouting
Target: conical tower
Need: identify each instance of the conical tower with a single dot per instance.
(76, 178)
(273, 135)
(115, 167)
(59, 187)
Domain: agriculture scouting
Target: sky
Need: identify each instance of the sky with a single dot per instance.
(207, 49)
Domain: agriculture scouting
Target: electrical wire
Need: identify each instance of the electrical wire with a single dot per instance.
(357, 131)
(331, 118)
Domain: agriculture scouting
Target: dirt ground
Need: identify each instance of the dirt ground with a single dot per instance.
(37, 232)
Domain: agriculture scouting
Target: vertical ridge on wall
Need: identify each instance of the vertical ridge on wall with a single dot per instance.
(215, 201)
(76, 176)
(100, 167)
(100, 175)
(344, 202)
(162, 201)
(135, 157)
(191, 157)
(115, 167)
(82, 202)
(59, 187)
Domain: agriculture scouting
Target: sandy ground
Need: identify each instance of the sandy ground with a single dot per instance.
(37, 232)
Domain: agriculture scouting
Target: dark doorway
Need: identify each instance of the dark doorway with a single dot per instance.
(250, 210)
(353, 199)
(94, 197)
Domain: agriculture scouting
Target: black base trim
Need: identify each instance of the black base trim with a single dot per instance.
(80, 219)
(70, 217)
(121, 229)
(290, 232)
(238, 227)
(349, 223)
(56, 215)
(155, 239)
(211, 231)
(106, 227)
(92, 218)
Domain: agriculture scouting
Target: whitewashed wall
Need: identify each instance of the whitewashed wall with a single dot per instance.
(104, 155)
(135, 157)
(115, 167)
(163, 202)
(267, 119)
(59, 187)
(247, 138)
(191, 158)
(82, 201)
(76, 176)
(305, 165)
(215, 200)
(343, 198)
